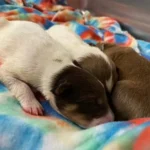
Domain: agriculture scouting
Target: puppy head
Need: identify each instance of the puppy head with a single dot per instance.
(80, 97)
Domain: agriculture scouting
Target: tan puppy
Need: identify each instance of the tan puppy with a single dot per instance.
(131, 95)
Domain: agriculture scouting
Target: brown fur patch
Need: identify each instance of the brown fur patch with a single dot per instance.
(79, 95)
(98, 67)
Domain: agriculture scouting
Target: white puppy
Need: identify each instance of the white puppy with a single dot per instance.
(29, 56)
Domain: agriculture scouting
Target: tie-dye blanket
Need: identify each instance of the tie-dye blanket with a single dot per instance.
(21, 131)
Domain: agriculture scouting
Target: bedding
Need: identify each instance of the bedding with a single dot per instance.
(22, 131)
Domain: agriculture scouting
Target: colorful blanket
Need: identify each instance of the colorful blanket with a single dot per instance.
(21, 131)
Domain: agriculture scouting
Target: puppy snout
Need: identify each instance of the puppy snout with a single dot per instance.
(109, 117)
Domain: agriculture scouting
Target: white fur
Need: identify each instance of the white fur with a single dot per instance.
(73, 42)
(76, 46)
(28, 55)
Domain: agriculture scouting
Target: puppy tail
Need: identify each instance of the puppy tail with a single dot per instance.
(3, 21)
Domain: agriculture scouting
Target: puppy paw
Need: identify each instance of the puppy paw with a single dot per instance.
(33, 107)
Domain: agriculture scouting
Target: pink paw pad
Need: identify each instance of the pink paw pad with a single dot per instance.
(34, 108)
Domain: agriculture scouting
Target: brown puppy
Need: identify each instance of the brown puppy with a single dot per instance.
(131, 95)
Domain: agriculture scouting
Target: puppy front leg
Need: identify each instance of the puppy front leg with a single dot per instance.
(22, 92)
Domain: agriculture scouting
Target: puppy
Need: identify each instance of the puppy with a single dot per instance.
(130, 96)
(87, 57)
(29, 56)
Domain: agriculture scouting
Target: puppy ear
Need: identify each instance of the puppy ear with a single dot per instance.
(109, 45)
(63, 89)
(100, 46)
(104, 46)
